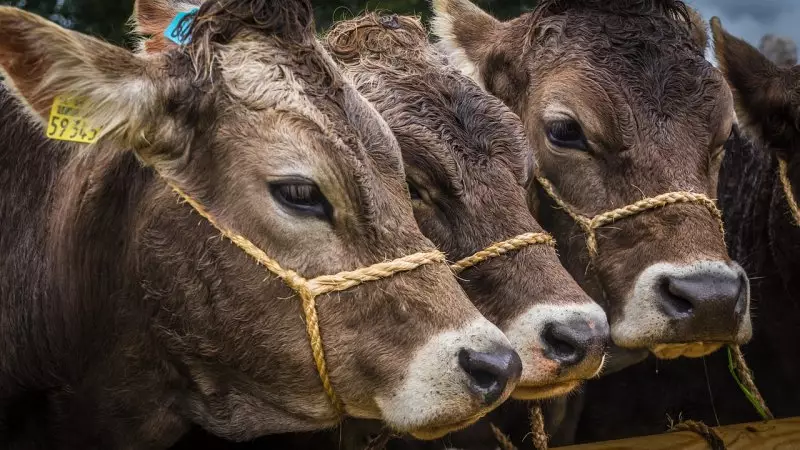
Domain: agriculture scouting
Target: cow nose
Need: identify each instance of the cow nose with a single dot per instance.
(704, 296)
(490, 372)
(575, 341)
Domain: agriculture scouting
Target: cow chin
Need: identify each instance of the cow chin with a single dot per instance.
(545, 392)
(690, 350)
(434, 398)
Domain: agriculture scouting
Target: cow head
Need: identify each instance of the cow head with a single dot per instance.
(252, 120)
(619, 105)
(467, 165)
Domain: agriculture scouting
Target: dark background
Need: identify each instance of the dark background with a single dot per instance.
(108, 18)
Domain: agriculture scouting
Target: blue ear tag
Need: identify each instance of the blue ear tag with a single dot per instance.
(178, 29)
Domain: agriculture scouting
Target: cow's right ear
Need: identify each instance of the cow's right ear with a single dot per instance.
(763, 92)
(46, 64)
(152, 17)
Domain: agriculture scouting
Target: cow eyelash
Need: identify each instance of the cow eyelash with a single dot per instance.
(567, 133)
(302, 198)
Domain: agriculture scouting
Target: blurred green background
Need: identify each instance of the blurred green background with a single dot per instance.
(108, 18)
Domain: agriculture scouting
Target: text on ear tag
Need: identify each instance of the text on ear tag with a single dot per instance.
(178, 29)
(67, 122)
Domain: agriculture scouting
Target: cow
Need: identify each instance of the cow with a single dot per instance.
(467, 163)
(126, 319)
(627, 120)
(764, 234)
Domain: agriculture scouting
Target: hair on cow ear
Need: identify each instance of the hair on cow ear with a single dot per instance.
(152, 17)
(481, 47)
(762, 91)
(44, 62)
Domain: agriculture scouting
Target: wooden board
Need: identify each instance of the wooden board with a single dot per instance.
(783, 434)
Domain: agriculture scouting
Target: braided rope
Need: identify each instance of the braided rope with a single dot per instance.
(310, 289)
(502, 438)
(709, 434)
(591, 224)
(540, 438)
(746, 382)
(501, 248)
(783, 173)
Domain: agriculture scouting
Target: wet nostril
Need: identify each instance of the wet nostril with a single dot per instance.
(673, 299)
(565, 344)
(490, 373)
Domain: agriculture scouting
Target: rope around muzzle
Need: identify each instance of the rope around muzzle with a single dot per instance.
(591, 224)
(783, 174)
(310, 289)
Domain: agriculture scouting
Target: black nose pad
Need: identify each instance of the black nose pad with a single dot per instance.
(490, 373)
(703, 296)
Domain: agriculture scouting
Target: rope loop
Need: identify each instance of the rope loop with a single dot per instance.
(501, 248)
(590, 225)
(309, 289)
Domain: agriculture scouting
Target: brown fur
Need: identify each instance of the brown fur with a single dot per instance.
(762, 235)
(125, 317)
(466, 154)
(654, 111)
(767, 96)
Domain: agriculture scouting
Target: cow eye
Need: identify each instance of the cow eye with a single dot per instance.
(302, 198)
(566, 134)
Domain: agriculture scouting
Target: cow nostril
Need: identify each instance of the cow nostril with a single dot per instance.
(562, 349)
(564, 343)
(490, 373)
(673, 299)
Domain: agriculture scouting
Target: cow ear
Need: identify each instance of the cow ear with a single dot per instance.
(43, 63)
(482, 47)
(763, 92)
(152, 17)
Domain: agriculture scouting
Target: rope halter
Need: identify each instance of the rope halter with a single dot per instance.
(783, 174)
(501, 248)
(591, 224)
(310, 289)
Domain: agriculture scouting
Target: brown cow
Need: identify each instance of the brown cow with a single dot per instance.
(620, 105)
(764, 234)
(468, 164)
(125, 319)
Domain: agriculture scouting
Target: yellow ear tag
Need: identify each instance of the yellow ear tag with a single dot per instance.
(68, 124)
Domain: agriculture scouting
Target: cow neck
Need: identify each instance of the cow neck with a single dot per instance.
(309, 289)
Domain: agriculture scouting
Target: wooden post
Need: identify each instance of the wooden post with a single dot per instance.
(781, 434)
